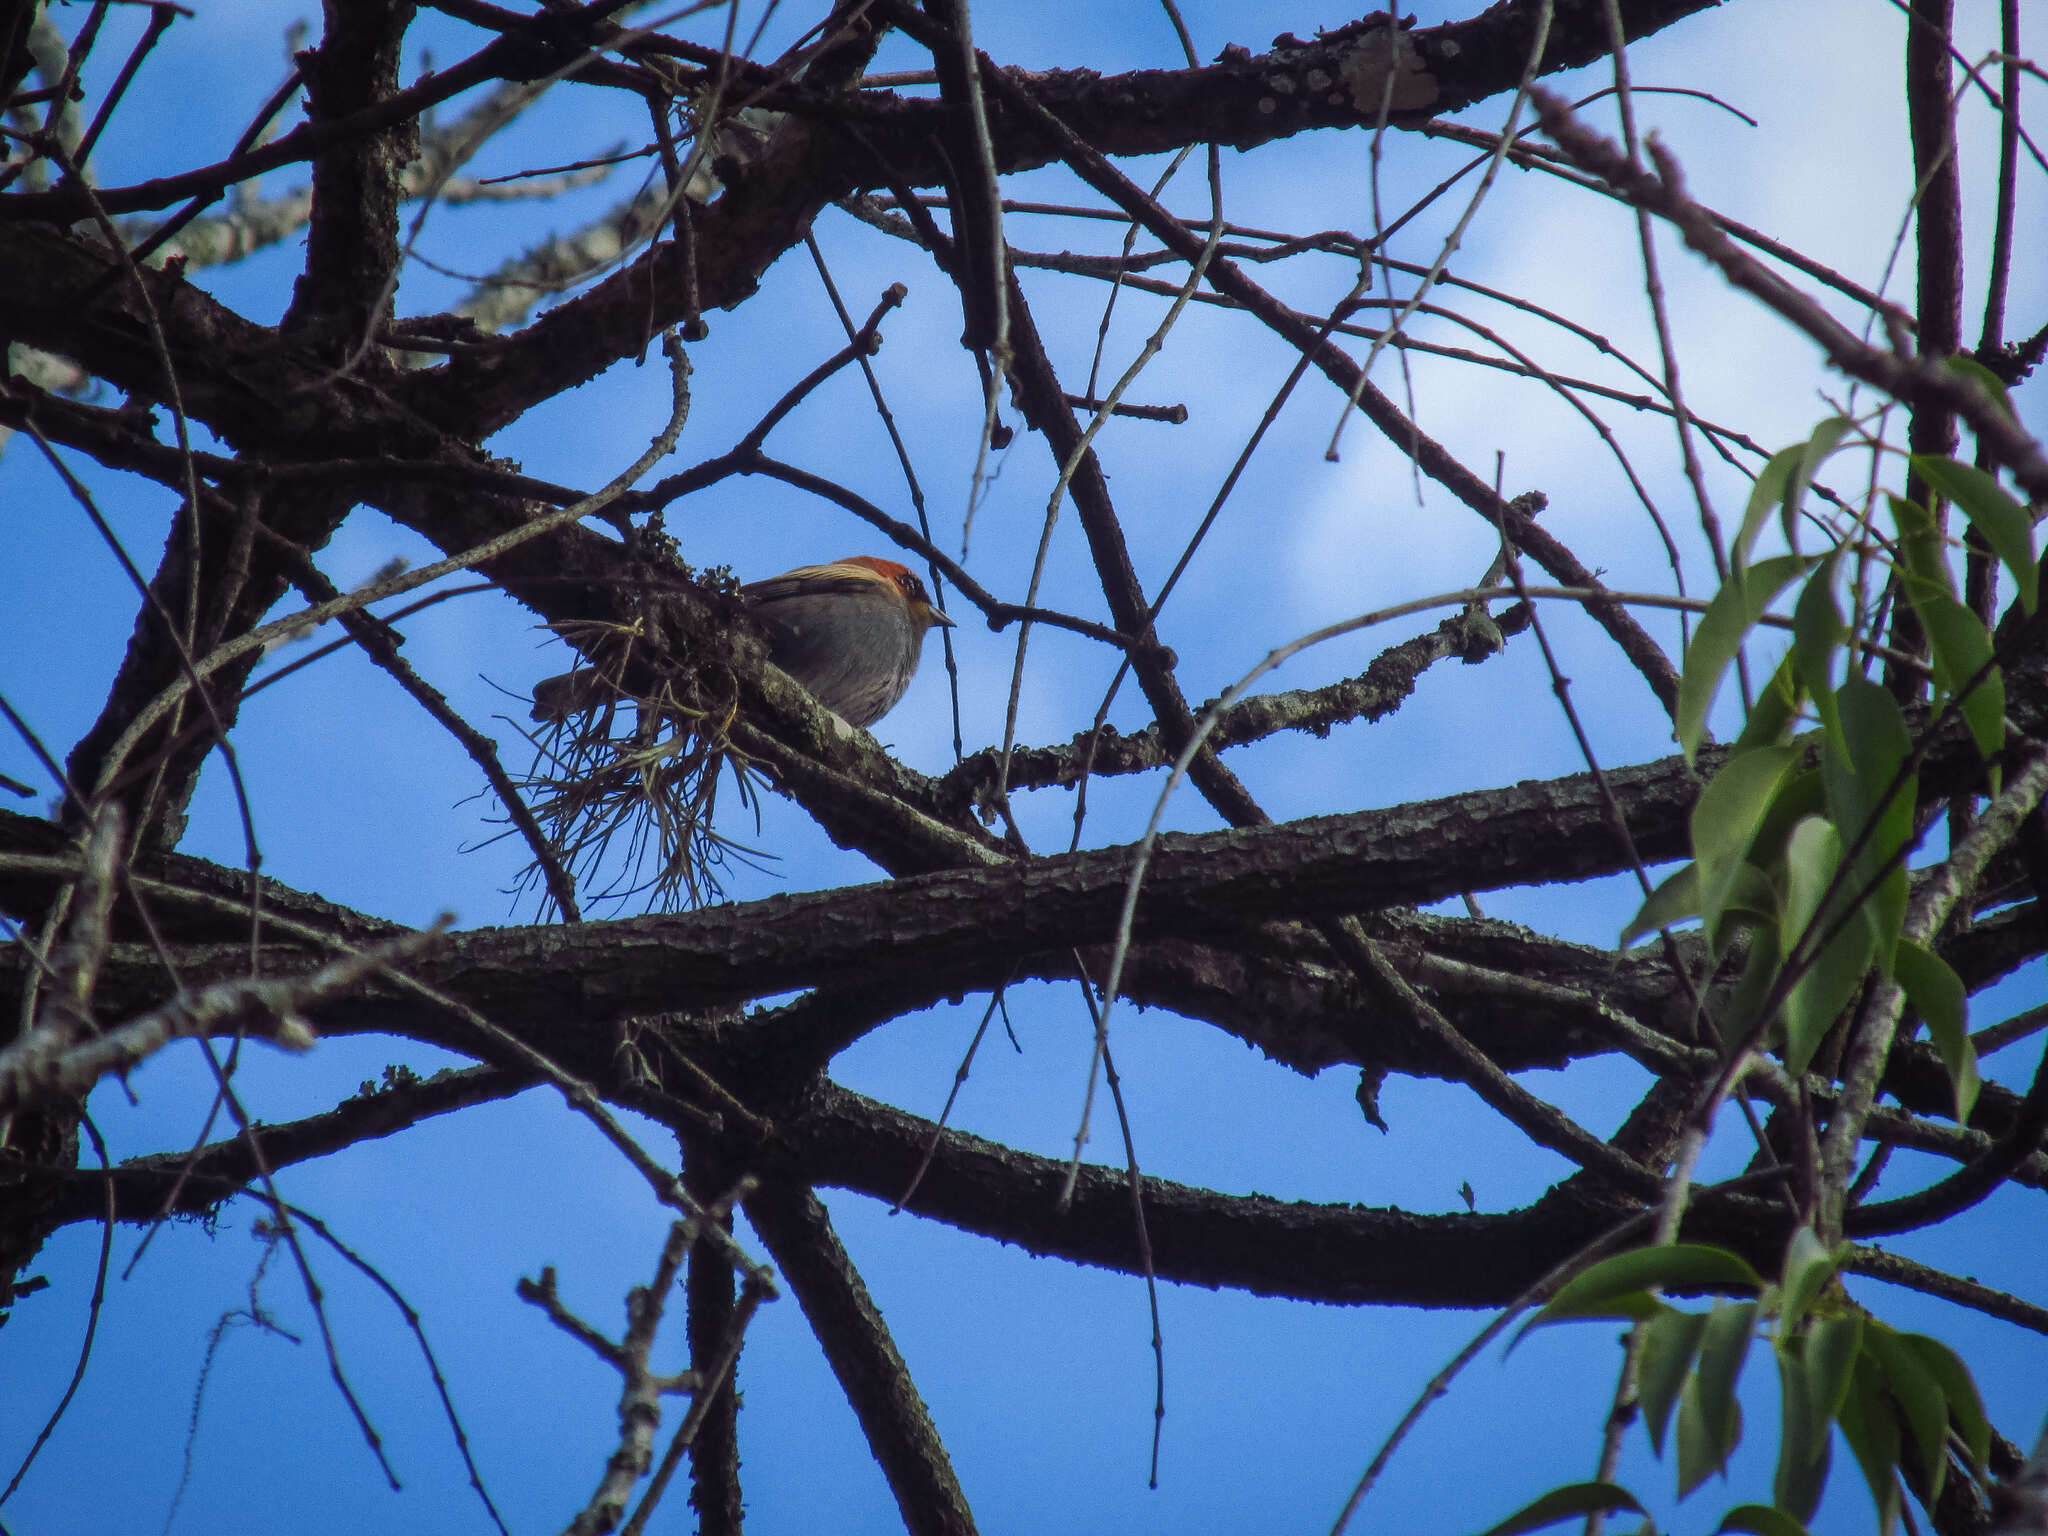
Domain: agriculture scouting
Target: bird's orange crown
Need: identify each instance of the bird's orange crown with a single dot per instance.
(902, 577)
(892, 569)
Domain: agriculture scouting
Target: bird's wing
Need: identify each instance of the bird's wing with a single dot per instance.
(812, 581)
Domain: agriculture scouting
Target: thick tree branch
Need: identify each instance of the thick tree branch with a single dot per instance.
(798, 1234)
(1338, 1253)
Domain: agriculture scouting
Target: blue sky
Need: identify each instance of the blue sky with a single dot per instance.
(1038, 1372)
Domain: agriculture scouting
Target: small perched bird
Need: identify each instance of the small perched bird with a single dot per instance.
(852, 632)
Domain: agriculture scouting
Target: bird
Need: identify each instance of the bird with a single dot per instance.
(851, 631)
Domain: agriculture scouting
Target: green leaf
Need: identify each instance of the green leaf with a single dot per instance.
(1724, 1349)
(1959, 650)
(1781, 487)
(1670, 1340)
(1762, 1519)
(1921, 550)
(1809, 1265)
(1832, 1345)
(1703, 1441)
(1874, 734)
(1566, 1503)
(1636, 1306)
(1750, 900)
(1965, 1407)
(1594, 1291)
(1705, 1445)
(1777, 706)
(1696, 1459)
(1937, 994)
(1813, 853)
(1989, 382)
(1817, 999)
(1803, 1445)
(1818, 631)
(1726, 818)
(1803, 794)
(1920, 1397)
(2002, 521)
(1677, 899)
(1767, 496)
(1873, 1434)
(1827, 437)
(1759, 975)
(1729, 617)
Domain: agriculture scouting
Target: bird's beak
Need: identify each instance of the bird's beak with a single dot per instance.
(938, 616)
